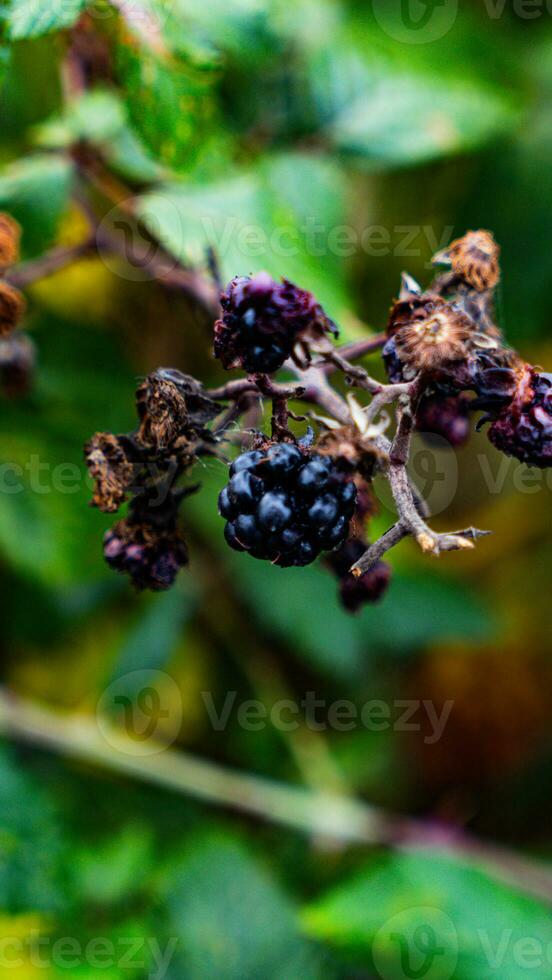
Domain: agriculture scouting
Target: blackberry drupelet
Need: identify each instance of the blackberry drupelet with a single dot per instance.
(262, 320)
(286, 505)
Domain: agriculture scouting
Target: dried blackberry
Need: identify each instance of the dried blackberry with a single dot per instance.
(10, 236)
(473, 259)
(262, 320)
(523, 427)
(445, 415)
(150, 556)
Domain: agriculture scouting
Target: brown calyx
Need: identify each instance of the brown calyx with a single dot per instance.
(110, 469)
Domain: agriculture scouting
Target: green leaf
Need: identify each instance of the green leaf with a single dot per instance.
(97, 117)
(31, 18)
(47, 530)
(100, 117)
(405, 119)
(114, 869)
(30, 842)
(233, 920)
(36, 191)
(407, 912)
(169, 101)
(278, 217)
(153, 635)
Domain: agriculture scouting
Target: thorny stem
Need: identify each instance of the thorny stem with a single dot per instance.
(329, 816)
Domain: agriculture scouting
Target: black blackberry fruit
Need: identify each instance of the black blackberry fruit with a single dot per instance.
(286, 505)
(262, 320)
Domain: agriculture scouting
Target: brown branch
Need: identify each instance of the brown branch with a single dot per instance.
(58, 258)
(377, 550)
(360, 348)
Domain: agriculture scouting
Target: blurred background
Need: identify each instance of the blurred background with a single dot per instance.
(336, 143)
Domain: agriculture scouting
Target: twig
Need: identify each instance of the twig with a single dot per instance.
(358, 348)
(58, 258)
(377, 550)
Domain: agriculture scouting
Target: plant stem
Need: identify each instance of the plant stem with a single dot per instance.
(24, 275)
(330, 816)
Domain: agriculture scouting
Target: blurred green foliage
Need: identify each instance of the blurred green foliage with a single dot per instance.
(247, 125)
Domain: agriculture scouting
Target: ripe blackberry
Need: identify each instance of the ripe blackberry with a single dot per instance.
(262, 320)
(286, 505)
(355, 592)
(445, 415)
(523, 427)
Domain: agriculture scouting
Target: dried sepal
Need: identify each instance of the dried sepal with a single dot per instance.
(110, 469)
(10, 237)
(12, 308)
(172, 406)
(427, 342)
(474, 259)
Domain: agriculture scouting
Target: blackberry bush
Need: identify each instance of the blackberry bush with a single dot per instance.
(291, 495)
